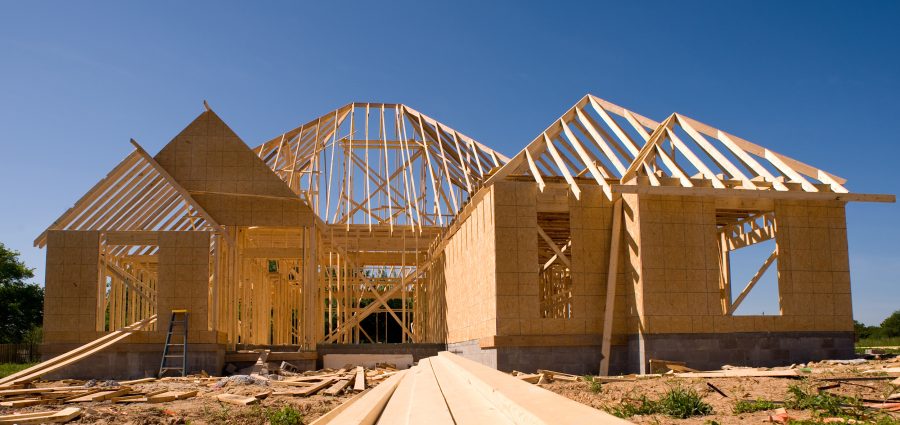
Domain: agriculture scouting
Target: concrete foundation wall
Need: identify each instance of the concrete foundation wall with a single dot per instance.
(764, 349)
(473, 351)
(577, 360)
(418, 351)
(132, 361)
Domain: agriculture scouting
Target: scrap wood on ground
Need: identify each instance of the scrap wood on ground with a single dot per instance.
(863, 388)
(198, 398)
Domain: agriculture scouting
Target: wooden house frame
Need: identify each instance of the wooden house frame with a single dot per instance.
(377, 210)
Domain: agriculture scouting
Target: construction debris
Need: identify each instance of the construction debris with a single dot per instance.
(75, 355)
(56, 416)
(663, 366)
(236, 399)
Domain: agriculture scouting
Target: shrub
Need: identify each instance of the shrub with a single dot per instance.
(286, 416)
(683, 403)
(595, 385)
(746, 406)
(824, 404)
(678, 403)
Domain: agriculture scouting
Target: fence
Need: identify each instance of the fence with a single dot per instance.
(20, 353)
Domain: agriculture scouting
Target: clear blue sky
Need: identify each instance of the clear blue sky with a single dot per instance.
(818, 81)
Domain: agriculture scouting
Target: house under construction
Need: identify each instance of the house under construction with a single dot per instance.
(374, 228)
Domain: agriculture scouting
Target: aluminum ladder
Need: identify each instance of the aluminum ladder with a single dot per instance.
(169, 360)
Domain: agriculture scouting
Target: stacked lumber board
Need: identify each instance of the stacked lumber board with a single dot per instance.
(80, 353)
(331, 382)
(449, 389)
(24, 397)
(45, 417)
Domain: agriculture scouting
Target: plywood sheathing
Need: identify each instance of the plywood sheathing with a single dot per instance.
(71, 291)
(227, 179)
(184, 278)
(517, 205)
(469, 263)
(677, 283)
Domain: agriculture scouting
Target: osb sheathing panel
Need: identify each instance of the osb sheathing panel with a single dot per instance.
(71, 287)
(814, 265)
(518, 300)
(183, 281)
(676, 268)
(208, 157)
(469, 273)
(238, 210)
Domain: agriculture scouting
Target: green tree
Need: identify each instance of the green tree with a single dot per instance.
(890, 327)
(21, 303)
(862, 331)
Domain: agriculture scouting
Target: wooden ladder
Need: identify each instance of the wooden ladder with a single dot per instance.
(169, 360)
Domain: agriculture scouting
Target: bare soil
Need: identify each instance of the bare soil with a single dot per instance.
(202, 409)
(773, 389)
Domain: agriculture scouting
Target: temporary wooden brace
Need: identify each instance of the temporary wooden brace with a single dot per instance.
(759, 274)
(75, 355)
(612, 271)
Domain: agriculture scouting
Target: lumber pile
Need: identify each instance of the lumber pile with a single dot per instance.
(332, 382)
(45, 417)
(24, 397)
(75, 355)
(449, 389)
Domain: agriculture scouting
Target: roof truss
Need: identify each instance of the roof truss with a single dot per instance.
(138, 194)
(600, 142)
(380, 164)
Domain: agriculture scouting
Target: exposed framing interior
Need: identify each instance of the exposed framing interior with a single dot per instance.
(345, 219)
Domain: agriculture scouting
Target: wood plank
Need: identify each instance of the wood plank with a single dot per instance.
(237, 399)
(521, 401)
(314, 388)
(612, 273)
(466, 406)
(752, 194)
(740, 373)
(75, 355)
(57, 416)
(428, 403)
(337, 388)
(359, 382)
(366, 409)
(759, 274)
(100, 396)
(25, 402)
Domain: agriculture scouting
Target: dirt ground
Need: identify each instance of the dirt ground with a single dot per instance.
(202, 409)
(206, 409)
(773, 389)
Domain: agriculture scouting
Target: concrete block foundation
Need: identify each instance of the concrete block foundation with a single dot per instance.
(418, 351)
(760, 349)
(578, 360)
(132, 361)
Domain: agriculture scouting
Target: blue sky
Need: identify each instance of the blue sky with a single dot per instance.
(818, 81)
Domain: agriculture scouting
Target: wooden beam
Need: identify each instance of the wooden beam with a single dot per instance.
(611, 274)
(759, 274)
